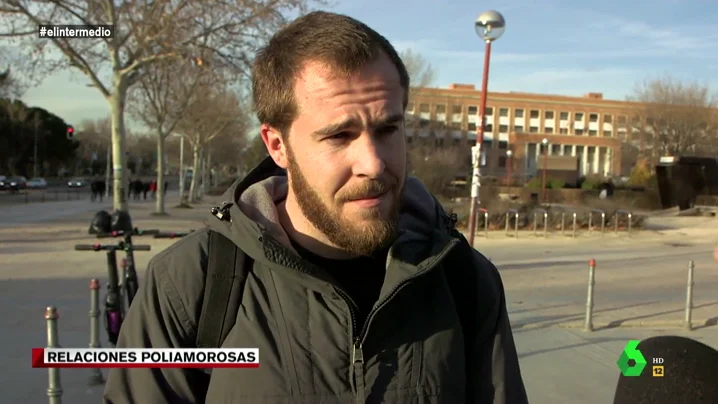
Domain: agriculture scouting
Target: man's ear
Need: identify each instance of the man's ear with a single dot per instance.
(275, 145)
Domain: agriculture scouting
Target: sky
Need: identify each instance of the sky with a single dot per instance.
(562, 47)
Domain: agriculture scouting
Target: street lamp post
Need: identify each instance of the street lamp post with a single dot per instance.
(489, 26)
(544, 142)
(508, 170)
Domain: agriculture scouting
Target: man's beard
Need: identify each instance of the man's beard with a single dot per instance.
(373, 234)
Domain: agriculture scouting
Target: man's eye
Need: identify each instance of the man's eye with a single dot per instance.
(387, 130)
(338, 136)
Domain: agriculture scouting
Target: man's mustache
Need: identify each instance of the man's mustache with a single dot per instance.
(369, 189)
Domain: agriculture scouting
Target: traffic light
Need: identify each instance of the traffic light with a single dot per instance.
(70, 132)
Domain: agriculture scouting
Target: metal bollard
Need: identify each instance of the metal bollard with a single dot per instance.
(516, 222)
(486, 221)
(95, 374)
(54, 386)
(545, 221)
(629, 217)
(603, 219)
(689, 296)
(563, 223)
(588, 325)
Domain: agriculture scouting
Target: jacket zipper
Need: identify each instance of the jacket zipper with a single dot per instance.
(357, 356)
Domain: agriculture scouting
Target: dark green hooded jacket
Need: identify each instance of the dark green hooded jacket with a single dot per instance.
(412, 345)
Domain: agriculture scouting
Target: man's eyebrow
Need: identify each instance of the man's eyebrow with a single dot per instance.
(336, 127)
(349, 123)
(391, 119)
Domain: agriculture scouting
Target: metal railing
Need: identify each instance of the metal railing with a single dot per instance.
(603, 219)
(629, 220)
(515, 213)
(544, 212)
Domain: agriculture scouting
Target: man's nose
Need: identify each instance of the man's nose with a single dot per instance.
(368, 156)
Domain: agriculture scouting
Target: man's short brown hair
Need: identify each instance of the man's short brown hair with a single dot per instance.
(340, 41)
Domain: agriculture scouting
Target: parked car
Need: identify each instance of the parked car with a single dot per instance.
(77, 182)
(3, 182)
(16, 183)
(37, 183)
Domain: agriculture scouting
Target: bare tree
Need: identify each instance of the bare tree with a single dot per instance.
(159, 101)
(421, 72)
(222, 33)
(213, 111)
(8, 85)
(677, 118)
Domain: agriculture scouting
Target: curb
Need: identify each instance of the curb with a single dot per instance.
(598, 325)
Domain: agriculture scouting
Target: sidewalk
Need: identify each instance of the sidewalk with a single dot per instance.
(639, 292)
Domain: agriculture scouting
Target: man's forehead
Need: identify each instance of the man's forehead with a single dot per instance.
(317, 77)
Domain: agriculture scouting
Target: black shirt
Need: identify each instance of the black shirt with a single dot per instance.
(360, 278)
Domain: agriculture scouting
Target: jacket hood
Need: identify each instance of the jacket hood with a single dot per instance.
(248, 216)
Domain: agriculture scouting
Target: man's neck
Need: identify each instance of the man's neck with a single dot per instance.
(303, 232)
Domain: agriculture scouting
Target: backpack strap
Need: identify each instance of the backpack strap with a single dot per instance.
(227, 269)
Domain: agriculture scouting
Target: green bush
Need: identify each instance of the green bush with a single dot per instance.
(535, 183)
(556, 184)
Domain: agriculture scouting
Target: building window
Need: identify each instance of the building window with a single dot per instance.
(548, 115)
(441, 109)
(593, 117)
(579, 132)
(578, 116)
(503, 112)
(563, 131)
(592, 132)
(518, 129)
(502, 161)
(424, 108)
(423, 123)
(548, 130)
(456, 109)
(489, 110)
(472, 126)
(410, 107)
(607, 118)
(489, 128)
(473, 110)
(503, 144)
(533, 129)
(622, 120)
(503, 128)
(607, 133)
(534, 113)
(564, 116)
(456, 125)
(487, 144)
(519, 113)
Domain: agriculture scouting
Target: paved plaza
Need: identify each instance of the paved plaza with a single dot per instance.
(640, 292)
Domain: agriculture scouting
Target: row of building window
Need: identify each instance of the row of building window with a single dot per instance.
(622, 120)
(489, 128)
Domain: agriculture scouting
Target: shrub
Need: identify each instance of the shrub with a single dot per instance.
(556, 184)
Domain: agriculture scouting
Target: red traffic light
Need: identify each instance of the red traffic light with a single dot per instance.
(70, 132)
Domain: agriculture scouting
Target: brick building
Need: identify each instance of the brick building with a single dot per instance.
(591, 128)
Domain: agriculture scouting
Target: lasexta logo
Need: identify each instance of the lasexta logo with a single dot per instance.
(631, 353)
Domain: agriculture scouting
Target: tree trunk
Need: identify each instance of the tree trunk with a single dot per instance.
(195, 172)
(160, 195)
(119, 174)
(108, 169)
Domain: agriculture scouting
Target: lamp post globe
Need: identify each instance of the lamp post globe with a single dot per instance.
(490, 25)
